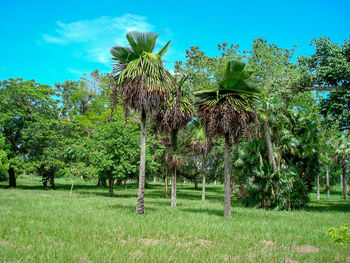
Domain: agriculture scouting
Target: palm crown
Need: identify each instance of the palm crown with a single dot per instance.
(140, 75)
(229, 107)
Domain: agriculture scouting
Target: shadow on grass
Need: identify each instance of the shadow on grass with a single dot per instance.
(328, 206)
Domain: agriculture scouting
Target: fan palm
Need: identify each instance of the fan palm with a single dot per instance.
(201, 146)
(227, 110)
(174, 114)
(144, 85)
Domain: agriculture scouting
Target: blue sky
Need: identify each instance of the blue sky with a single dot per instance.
(51, 41)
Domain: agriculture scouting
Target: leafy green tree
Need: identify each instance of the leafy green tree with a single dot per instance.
(22, 103)
(144, 86)
(228, 110)
(4, 163)
(328, 69)
(113, 151)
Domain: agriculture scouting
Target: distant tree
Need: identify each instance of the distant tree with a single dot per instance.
(201, 146)
(173, 115)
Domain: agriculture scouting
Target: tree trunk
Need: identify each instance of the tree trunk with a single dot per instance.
(195, 184)
(173, 187)
(318, 187)
(166, 186)
(173, 169)
(203, 180)
(154, 179)
(271, 156)
(344, 181)
(52, 182)
(328, 187)
(227, 209)
(101, 182)
(233, 184)
(71, 189)
(119, 181)
(110, 185)
(12, 177)
(140, 207)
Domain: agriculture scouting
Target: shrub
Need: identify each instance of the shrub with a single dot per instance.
(340, 235)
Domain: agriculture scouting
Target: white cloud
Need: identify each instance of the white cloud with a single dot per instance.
(94, 38)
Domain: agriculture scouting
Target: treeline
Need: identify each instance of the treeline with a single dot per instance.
(287, 133)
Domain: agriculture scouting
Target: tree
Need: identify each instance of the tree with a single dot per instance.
(328, 69)
(173, 115)
(202, 147)
(22, 103)
(227, 110)
(341, 147)
(144, 85)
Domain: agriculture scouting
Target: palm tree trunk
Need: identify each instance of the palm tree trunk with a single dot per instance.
(173, 172)
(271, 156)
(318, 187)
(140, 207)
(110, 185)
(166, 186)
(12, 177)
(227, 209)
(328, 188)
(203, 180)
(344, 181)
(173, 186)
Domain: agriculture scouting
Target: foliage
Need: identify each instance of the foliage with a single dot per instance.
(340, 235)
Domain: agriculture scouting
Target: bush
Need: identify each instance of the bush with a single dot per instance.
(340, 235)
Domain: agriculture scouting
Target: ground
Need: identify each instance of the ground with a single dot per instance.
(38, 225)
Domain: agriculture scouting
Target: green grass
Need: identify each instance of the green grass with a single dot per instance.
(39, 225)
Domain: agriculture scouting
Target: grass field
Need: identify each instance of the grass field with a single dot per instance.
(39, 225)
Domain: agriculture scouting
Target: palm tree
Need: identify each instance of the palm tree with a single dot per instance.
(227, 110)
(201, 146)
(342, 151)
(174, 114)
(144, 85)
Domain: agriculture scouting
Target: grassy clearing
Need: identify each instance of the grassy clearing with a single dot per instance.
(39, 225)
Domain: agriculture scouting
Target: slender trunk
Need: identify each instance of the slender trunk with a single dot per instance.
(12, 177)
(233, 184)
(203, 180)
(173, 169)
(52, 181)
(31, 178)
(318, 187)
(341, 181)
(215, 182)
(166, 186)
(173, 186)
(195, 181)
(110, 185)
(71, 189)
(344, 181)
(141, 195)
(154, 179)
(119, 181)
(101, 182)
(271, 156)
(328, 188)
(227, 209)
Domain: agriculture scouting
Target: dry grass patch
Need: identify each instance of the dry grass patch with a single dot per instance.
(307, 249)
